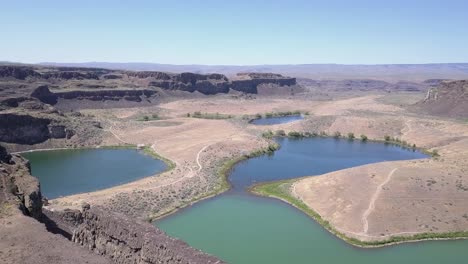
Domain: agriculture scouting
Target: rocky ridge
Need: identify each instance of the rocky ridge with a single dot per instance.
(27, 123)
(75, 78)
(449, 98)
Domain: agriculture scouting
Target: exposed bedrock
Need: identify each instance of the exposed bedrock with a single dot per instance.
(126, 240)
(19, 187)
(27, 129)
(43, 94)
(24, 129)
(187, 81)
(18, 72)
(215, 83)
(110, 79)
(448, 98)
(64, 73)
(68, 75)
(102, 95)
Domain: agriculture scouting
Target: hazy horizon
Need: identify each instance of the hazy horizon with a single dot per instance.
(229, 65)
(252, 32)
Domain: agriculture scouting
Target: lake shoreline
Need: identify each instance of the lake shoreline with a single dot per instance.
(262, 190)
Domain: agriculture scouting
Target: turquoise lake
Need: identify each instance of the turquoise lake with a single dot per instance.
(66, 172)
(242, 228)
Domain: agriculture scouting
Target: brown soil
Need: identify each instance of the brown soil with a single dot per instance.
(369, 202)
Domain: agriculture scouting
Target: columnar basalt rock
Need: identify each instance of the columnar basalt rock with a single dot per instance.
(23, 129)
(126, 240)
(20, 188)
(248, 82)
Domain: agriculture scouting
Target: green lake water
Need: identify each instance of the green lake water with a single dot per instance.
(242, 228)
(239, 227)
(66, 172)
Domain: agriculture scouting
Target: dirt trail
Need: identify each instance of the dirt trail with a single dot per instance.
(190, 172)
(374, 198)
(200, 167)
(110, 130)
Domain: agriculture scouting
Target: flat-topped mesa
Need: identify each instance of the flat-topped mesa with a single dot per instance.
(102, 81)
(248, 82)
(189, 82)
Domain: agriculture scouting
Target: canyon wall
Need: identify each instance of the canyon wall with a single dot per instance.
(104, 234)
(103, 84)
(46, 96)
(19, 188)
(126, 240)
(26, 129)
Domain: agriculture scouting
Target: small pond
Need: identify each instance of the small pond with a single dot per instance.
(66, 172)
(275, 120)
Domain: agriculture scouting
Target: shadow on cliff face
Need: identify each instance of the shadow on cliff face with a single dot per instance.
(52, 226)
(62, 222)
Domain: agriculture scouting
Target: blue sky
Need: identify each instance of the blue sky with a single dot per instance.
(238, 32)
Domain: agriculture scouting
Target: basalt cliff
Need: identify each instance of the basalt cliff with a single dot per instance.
(97, 83)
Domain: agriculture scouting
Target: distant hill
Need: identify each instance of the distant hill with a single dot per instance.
(449, 98)
(387, 72)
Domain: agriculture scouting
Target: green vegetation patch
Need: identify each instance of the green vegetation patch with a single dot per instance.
(151, 117)
(169, 163)
(280, 114)
(404, 144)
(199, 114)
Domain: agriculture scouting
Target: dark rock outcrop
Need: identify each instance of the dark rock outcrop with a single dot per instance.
(101, 80)
(18, 72)
(68, 75)
(449, 98)
(213, 83)
(5, 157)
(13, 101)
(149, 74)
(129, 241)
(248, 82)
(18, 186)
(187, 81)
(23, 129)
(64, 73)
(103, 95)
(112, 76)
(46, 96)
